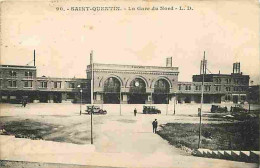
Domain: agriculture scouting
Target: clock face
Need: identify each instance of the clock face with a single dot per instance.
(136, 83)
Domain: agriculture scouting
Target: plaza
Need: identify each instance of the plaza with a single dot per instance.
(119, 140)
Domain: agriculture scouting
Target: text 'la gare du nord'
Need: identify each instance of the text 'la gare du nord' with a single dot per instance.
(128, 8)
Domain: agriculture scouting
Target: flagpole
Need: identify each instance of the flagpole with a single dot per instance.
(92, 77)
(201, 101)
(92, 94)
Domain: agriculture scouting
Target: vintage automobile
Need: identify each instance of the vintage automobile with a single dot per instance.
(151, 110)
(218, 109)
(238, 108)
(96, 110)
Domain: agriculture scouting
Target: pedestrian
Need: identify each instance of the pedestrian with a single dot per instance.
(135, 111)
(22, 102)
(25, 102)
(155, 123)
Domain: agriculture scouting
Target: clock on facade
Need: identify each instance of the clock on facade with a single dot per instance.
(136, 83)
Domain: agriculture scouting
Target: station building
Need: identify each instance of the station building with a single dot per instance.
(133, 84)
(218, 88)
(21, 82)
(125, 84)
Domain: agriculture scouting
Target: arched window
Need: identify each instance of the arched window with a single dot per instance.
(112, 85)
(137, 86)
(161, 86)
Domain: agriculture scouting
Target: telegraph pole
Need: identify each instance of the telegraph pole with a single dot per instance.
(174, 103)
(202, 89)
(92, 95)
(92, 77)
(167, 104)
(91, 123)
(120, 100)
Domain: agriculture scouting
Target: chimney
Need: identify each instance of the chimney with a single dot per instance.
(33, 57)
(236, 68)
(169, 62)
(91, 57)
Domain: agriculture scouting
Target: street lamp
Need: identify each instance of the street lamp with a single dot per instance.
(80, 98)
(174, 102)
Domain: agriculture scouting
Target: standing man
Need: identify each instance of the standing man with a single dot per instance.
(25, 102)
(135, 111)
(22, 102)
(155, 123)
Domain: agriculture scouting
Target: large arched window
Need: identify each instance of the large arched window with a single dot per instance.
(161, 86)
(137, 86)
(112, 85)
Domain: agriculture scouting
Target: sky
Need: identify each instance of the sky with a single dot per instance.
(228, 32)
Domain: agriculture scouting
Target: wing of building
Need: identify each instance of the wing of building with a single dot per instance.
(131, 84)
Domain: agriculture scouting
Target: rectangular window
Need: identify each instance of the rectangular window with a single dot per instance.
(71, 85)
(43, 84)
(228, 81)
(57, 84)
(12, 83)
(83, 85)
(207, 88)
(218, 81)
(28, 84)
(188, 87)
(198, 87)
(179, 87)
(28, 74)
(12, 73)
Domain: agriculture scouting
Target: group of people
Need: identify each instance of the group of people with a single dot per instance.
(155, 123)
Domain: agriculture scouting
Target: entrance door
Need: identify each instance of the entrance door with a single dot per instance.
(112, 91)
(137, 92)
(161, 92)
(235, 99)
(111, 98)
(137, 98)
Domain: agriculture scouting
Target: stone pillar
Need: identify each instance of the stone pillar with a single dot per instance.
(172, 98)
(64, 96)
(98, 98)
(222, 99)
(50, 97)
(149, 99)
(124, 98)
(239, 98)
(192, 99)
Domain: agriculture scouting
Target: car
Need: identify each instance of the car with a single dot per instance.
(96, 110)
(151, 110)
(238, 108)
(218, 109)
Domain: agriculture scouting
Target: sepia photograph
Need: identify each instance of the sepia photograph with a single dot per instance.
(129, 84)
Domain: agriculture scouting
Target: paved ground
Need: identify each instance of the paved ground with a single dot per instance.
(120, 141)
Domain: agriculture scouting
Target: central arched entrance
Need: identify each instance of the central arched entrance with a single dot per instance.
(161, 92)
(112, 91)
(137, 92)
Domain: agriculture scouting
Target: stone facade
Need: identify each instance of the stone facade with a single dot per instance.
(20, 82)
(218, 88)
(126, 74)
(130, 84)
